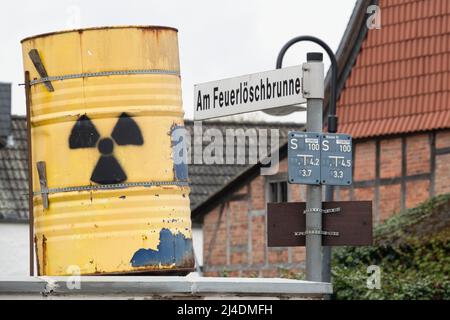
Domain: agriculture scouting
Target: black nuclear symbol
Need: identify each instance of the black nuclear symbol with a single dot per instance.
(108, 169)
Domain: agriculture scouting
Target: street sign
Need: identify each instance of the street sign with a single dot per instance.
(345, 223)
(336, 164)
(304, 157)
(316, 158)
(248, 93)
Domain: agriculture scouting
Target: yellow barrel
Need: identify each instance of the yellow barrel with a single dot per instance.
(110, 195)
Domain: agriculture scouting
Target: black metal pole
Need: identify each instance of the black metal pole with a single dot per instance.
(332, 126)
(332, 118)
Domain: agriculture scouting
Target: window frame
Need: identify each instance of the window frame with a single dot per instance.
(276, 178)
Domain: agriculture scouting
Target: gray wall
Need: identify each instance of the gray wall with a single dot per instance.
(14, 249)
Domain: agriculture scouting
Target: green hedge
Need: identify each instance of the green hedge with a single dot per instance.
(412, 251)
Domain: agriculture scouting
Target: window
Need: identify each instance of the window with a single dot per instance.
(278, 191)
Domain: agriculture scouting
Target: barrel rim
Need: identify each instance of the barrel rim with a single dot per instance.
(46, 34)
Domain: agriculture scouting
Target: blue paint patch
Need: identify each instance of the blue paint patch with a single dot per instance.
(171, 249)
(179, 152)
(181, 172)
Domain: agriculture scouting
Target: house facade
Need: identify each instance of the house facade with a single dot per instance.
(394, 99)
(13, 189)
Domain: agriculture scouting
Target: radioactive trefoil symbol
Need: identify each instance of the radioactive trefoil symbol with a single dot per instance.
(84, 135)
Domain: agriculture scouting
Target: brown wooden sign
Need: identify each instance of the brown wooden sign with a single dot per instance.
(351, 219)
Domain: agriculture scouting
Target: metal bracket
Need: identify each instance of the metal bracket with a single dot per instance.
(37, 61)
(332, 210)
(317, 232)
(313, 84)
(319, 210)
(42, 173)
(312, 210)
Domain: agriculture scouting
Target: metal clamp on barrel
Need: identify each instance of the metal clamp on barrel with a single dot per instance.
(48, 79)
(113, 186)
(42, 173)
(40, 68)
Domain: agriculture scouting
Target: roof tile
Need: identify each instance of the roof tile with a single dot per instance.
(401, 78)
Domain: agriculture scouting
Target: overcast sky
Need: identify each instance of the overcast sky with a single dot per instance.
(217, 39)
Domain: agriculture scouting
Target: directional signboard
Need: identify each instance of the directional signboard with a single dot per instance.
(317, 158)
(253, 92)
(345, 223)
(336, 164)
(304, 157)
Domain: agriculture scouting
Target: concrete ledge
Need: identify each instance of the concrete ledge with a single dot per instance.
(157, 287)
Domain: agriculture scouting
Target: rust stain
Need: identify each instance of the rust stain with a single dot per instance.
(36, 249)
(155, 28)
(188, 261)
(154, 270)
(144, 28)
(44, 254)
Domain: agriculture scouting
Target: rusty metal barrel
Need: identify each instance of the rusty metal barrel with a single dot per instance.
(109, 196)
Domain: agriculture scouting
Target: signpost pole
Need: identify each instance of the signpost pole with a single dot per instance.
(326, 250)
(314, 123)
(332, 123)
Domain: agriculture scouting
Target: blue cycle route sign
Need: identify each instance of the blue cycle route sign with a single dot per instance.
(320, 158)
(304, 157)
(337, 163)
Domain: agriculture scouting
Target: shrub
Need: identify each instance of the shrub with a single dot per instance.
(412, 250)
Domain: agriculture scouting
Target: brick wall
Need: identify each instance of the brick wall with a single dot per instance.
(235, 239)
(400, 172)
(395, 173)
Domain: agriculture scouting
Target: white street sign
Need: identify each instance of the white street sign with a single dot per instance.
(253, 92)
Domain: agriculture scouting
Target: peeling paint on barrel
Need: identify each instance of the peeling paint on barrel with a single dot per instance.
(172, 249)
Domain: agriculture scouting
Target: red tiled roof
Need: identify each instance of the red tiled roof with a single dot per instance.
(401, 78)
